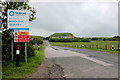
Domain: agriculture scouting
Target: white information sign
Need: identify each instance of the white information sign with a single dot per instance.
(18, 19)
(17, 51)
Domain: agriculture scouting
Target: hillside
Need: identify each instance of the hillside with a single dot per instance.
(32, 36)
(36, 39)
(62, 35)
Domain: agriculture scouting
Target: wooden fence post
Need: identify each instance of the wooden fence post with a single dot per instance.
(81, 46)
(97, 46)
(106, 47)
(90, 46)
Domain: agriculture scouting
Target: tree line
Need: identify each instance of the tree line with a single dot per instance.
(6, 34)
(76, 39)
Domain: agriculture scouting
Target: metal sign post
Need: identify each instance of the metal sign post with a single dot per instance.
(12, 44)
(25, 52)
(18, 20)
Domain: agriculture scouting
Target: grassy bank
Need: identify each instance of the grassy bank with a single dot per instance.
(104, 46)
(11, 71)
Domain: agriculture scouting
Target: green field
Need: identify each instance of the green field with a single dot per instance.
(11, 71)
(105, 46)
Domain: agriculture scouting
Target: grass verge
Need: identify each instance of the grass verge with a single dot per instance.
(11, 71)
(102, 50)
(94, 43)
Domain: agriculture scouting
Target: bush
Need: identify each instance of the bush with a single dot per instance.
(85, 40)
(6, 46)
(30, 49)
(36, 39)
(69, 40)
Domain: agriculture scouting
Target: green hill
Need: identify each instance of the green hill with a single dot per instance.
(40, 37)
(62, 35)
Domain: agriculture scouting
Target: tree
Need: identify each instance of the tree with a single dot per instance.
(116, 36)
(6, 38)
(104, 39)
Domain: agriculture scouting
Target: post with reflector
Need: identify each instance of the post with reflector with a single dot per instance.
(112, 47)
(17, 55)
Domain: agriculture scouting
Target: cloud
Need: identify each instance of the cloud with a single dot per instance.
(82, 19)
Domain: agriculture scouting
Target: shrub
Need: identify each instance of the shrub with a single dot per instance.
(69, 40)
(30, 49)
(36, 39)
(85, 40)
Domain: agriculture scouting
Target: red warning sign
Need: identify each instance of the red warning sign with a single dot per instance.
(21, 37)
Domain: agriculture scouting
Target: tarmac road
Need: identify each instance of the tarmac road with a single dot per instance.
(75, 63)
(103, 56)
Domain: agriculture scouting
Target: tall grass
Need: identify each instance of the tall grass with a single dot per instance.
(11, 71)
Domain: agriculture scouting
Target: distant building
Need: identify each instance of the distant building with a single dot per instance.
(68, 37)
(54, 37)
(64, 37)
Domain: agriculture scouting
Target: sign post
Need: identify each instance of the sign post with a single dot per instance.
(112, 47)
(18, 20)
(12, 45)
(25, 52)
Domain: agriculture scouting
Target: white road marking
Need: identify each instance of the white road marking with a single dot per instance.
(98, 61)
(90, 69)
(67, 53)
(93, 59)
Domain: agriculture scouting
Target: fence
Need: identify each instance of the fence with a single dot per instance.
(104, 47)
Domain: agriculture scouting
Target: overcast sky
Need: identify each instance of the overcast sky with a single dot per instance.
(83, 19)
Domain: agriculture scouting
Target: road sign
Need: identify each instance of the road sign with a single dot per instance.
(23, 33)
(21, 36)
(23, 40)
(18, 19)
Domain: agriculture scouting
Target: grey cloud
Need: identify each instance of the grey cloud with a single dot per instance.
(81, 19)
